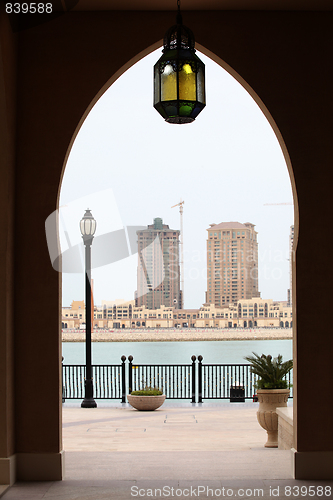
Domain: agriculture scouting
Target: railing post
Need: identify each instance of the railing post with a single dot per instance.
(123, 380)
(130, 374)
(200, 358)
(193, 378)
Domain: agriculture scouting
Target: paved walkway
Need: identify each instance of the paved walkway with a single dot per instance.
(181, 451)
(226, 427)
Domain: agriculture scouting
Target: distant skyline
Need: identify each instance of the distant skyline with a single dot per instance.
(129, 166)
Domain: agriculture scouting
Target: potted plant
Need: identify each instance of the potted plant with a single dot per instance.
(272, 391)
(147, 399)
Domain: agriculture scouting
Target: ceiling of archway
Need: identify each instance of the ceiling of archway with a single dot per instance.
(198, 4)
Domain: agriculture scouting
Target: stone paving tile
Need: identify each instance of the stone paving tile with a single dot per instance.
(211, 428)
(179, 465)
(28, 490)
(85, 490)
(3, 488)
(178, 445)
(14, 494)
(127, 490)
(70, 489)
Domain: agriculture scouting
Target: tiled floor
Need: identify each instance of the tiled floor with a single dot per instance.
(182, 428)
(187, 451)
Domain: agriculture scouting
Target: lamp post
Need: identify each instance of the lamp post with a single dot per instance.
(88, 228)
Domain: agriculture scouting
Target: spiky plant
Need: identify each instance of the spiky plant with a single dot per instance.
(148, 391)
(271, 372)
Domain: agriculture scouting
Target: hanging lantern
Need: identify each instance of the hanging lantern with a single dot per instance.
(179, 77)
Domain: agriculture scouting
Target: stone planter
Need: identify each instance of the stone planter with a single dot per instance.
(269, 400)
(146, 403)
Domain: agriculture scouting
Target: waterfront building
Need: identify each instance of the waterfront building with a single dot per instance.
(152, 318)
(118, 314)
(158, 275)
(75, 315)
(249, 313)
(186, 318)
(232, 263)
(111, 314)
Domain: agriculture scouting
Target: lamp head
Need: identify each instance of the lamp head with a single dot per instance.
(87, 226)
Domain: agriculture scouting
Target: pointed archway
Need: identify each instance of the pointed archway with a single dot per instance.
(271, 51)
(222, 64)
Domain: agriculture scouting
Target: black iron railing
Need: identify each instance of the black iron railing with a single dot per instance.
(109, 381)
(220, 381)
(195, 381)
(176, 381)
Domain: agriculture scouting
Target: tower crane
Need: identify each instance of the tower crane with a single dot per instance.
(181, 209)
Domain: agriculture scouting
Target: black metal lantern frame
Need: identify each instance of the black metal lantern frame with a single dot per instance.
(179, 77)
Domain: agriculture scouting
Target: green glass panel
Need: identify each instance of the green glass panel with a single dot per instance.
(170, 109)
(187, 83)
(168, 84)
(185, 110)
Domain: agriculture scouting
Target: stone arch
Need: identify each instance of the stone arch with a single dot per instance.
(218, 60)
(251, 92)
(306, 130)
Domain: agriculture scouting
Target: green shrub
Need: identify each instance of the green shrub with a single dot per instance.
(271, 372)
(147, 391)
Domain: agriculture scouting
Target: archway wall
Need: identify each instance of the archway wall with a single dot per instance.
(8, 49)
(62, 67)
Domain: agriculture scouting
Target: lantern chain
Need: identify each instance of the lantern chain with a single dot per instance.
(179, 16)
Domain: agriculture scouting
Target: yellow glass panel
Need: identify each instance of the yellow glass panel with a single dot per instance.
(168, 84)
(187, 85)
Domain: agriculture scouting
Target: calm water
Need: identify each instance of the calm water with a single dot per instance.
(175, 352)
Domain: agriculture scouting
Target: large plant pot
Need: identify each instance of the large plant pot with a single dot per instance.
(269, 400)
(146, 403)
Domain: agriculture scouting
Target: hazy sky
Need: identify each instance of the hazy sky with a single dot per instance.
(129, 166)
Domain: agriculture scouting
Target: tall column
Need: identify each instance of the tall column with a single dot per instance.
(7, 155)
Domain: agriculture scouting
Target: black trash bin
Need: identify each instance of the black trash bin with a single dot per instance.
(237, 394)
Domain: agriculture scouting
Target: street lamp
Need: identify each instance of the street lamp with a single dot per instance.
(88, 228)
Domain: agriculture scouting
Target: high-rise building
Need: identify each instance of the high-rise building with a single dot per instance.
(232, 263)
(158, 275)
(291, 256)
